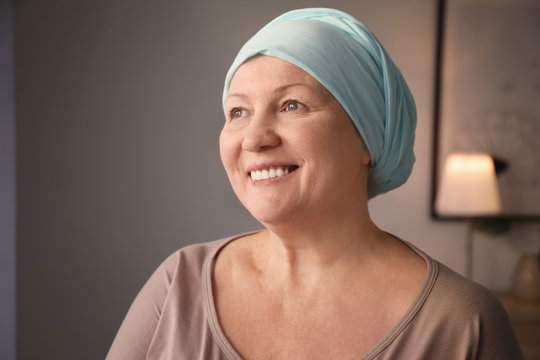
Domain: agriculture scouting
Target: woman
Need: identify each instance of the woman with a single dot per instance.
(318, 120)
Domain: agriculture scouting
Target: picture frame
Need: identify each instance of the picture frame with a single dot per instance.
(487, 95)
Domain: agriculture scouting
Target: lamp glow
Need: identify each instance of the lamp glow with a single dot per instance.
(468, 186)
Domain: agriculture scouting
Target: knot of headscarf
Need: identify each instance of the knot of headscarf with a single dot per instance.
(347, 59)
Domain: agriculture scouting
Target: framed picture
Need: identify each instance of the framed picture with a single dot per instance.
(488, 95)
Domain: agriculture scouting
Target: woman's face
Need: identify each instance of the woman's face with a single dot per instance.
(288, 147)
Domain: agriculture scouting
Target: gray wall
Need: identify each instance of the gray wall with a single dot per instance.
(7, 184)
(118, 115)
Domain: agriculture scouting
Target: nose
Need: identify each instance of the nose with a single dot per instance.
(260, 134)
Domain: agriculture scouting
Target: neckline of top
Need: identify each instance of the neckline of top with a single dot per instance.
(224, 344)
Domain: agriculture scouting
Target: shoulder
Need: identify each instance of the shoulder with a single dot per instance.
(464, 296)
(173, 291)
(456, 303)
(189, 260)
(184, 264)
(196, 253)
(448, 293)
(469, 316)
(458, 317)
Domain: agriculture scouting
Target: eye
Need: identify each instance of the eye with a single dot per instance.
(293, 105)
(237, 113)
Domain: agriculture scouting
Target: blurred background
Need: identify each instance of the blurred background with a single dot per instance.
(110, 116)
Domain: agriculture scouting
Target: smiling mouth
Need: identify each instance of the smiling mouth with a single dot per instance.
(270, 173)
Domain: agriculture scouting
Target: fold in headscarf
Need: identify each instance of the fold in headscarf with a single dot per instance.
(347, 59)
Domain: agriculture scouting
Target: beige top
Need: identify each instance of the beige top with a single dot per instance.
(174, 317)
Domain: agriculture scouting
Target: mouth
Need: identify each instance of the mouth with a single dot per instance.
(271, 172)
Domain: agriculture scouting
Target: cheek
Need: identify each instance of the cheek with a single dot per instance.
(318, 142)
(349, 142)
(228, 150)
(336, 147)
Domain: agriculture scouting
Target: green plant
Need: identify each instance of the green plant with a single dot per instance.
(492, 226)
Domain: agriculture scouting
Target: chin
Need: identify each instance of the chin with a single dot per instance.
(271, 214)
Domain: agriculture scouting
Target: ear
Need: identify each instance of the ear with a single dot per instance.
(366, 156)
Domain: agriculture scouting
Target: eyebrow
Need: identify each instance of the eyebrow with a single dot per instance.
(285, 87)
(277, 90)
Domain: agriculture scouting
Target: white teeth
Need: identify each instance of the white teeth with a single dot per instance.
(266, 174)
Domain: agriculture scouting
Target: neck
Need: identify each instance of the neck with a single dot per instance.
(305, 251)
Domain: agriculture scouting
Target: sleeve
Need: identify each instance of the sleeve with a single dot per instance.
(138, 328)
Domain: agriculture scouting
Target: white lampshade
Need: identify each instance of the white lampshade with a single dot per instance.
(468, 186)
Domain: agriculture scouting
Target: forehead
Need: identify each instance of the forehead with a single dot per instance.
(267, 72)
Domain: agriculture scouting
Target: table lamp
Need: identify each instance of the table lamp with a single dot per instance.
(468, 189)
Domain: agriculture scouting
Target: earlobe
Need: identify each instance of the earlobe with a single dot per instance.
(366, 156)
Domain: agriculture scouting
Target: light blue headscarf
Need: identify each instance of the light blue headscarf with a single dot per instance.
(346, 58)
